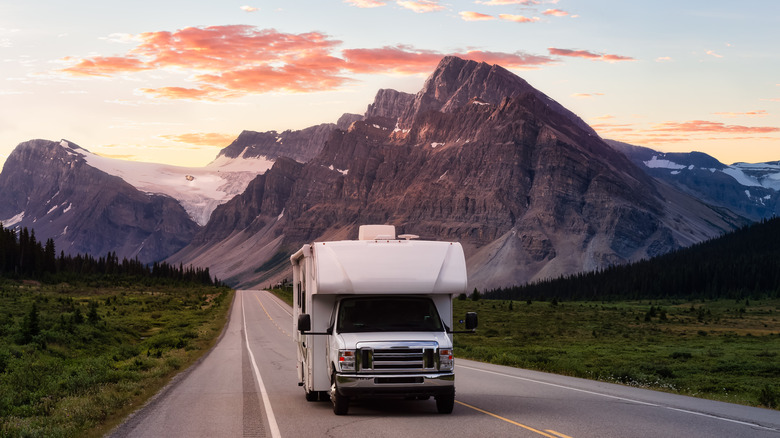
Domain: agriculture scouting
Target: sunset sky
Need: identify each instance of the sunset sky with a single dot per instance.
(175, 81)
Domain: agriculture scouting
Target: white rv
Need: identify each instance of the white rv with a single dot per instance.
(373, 317)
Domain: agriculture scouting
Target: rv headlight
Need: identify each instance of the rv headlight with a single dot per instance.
(347, 360)
(445, 359)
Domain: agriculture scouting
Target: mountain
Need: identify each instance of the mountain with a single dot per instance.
(478, 156)
(750, 190)
(198, 190)
(51, 188)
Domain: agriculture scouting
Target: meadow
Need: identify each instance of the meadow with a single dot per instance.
(76, 360)
(723, 349)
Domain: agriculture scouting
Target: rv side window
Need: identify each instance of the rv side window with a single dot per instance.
(387, 314)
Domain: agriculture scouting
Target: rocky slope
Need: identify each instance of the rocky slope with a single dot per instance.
(49, 187)
(479, 156)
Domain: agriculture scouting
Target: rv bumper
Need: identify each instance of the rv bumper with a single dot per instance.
(356, 385)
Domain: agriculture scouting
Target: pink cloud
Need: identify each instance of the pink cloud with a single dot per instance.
(104, 66)
(202, 138)
(227, 62)
(555, 12)
(247, 8)
(475, 16)
(695, 126)
(507, 2)
(517, 18)
(757, 113)
(365, 3)
(586, 95)
(421, 6)
(588, 55)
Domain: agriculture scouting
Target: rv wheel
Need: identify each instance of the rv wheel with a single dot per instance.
(340, 402)
(445, 403)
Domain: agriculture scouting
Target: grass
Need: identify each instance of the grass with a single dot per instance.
(75, 361)
(723, 350)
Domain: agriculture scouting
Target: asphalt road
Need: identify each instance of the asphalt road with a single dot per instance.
(246, 386)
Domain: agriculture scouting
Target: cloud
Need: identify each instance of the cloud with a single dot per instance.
(226, 62)
(365, 3)
(757, 113)
(104, 66)
(697, 126)
(663, 59)
(506, 2)
(586, 95)
(475, 16)
(517, 18)
(247, 8)
(421, 6)
(213, 139)
(588, 55)
(712, 53)
(555, 12)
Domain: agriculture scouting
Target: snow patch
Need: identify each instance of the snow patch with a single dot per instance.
(198, 189)
(52, 209)
(341, 171)
(656, 163)
(13, 221)
(741, 177)
(435, 145)
(281, 215)
(68, 208)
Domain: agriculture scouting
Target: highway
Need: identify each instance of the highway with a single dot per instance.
(247, 387)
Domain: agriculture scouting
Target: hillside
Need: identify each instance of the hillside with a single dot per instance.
(741, 264)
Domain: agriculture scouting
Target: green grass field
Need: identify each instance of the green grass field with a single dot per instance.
(724, 350)
(74, 361)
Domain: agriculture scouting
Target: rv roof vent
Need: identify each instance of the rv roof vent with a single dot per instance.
(376, 232)
(408, 236)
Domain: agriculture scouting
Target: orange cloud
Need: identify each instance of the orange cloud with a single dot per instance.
(706, 126)
(202, 138)
(517, 18)
(475, 16)
(758, 113)
(421, 6)
(507, 2)
(104, 66)
(555, 12)
(586, 95)
(225, 62)
(405, 60)
(365, 3)
(588, 55)
(247, 8)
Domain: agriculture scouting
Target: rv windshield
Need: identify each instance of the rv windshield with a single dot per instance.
(387, 314)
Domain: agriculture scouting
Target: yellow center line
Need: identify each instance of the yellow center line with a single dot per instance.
(557, 433)
(269, 317)
(508, 420)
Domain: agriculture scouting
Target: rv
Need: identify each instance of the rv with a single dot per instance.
(373, 317)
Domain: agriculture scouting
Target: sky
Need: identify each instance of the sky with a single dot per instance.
(174, 81)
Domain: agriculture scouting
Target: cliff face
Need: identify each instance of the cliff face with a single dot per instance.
(478, 156)
(49, 187)
(301, 145)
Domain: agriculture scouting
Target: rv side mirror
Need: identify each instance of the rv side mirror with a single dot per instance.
(471, 320)
(304, 322)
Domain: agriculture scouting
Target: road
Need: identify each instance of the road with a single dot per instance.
(246, 386)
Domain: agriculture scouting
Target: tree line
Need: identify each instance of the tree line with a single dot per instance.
(738, 265)
(23, 256)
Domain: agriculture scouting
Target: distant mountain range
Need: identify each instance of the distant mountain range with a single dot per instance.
(477, 155)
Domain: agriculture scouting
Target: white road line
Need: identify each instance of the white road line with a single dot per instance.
(269, 412)
(621, 398)
(281, 306)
